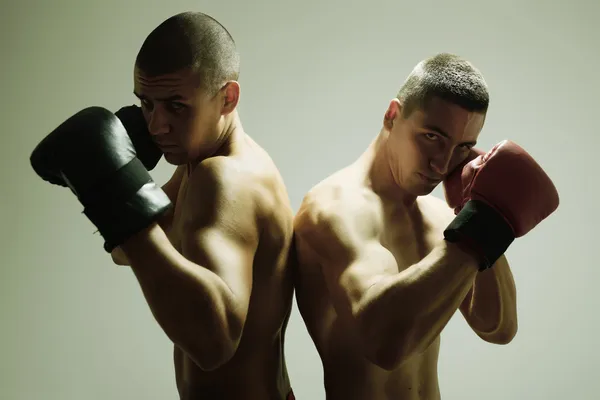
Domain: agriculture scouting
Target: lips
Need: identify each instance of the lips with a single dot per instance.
(165, 146)
(431, 180)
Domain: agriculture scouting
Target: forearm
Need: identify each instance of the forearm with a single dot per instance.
(118, 255)
(490, 308)
(191, 304)
(407, 311)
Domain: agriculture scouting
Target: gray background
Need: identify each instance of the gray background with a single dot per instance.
(316, 80)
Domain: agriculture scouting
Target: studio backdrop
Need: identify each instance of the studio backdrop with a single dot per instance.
(316, 79)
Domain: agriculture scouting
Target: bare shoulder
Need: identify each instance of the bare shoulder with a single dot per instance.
(220, 188)
(335, 197)
(235, 176)
(247, 187)
(338, 210)
(225, 175)
(436, 210)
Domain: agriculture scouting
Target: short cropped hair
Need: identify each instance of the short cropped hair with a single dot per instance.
(446, 76)
(193, 41)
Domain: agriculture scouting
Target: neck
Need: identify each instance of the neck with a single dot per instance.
(382, 177)
(231, 132)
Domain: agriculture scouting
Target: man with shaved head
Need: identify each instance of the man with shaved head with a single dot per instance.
(210, 247)
(384, 265)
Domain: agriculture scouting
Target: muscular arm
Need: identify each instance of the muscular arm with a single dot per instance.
(200, 297)
(395, 314)
(490, 307)
(171, 188)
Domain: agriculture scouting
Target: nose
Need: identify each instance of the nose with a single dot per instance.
(158, 124)
(441, 162)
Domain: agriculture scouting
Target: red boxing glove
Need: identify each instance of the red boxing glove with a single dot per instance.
(505, 194)
(453, 190)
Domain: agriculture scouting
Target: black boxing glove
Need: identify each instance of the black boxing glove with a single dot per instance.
(135, 124)
(92, 154)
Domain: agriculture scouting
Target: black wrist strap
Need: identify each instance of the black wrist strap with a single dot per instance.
(483, 229)
(117, 187)
(125, 203)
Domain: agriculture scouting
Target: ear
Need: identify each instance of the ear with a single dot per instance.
(231, 97)
(392, 113)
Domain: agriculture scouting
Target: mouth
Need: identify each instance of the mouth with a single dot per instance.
(433, 181)
(165, 146)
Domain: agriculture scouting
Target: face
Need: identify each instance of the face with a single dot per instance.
(185, 121)
(428, 144)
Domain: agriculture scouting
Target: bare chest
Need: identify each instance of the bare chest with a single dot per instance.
(411, 235)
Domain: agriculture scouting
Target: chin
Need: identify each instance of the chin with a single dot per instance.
(175, 159)
(422, 190)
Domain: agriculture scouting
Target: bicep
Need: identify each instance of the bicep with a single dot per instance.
(349, 268)
(228, 253)
(221, 233)
(371, 265)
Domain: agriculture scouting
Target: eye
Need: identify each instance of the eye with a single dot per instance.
(146, 104)
(431, 136)
(175, 106)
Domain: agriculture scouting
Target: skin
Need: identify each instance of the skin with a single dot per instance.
(214, 271)
(375, 282)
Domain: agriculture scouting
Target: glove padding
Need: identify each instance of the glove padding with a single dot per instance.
(134, 122)
(505, 194)
(93, 155)
(453, 191)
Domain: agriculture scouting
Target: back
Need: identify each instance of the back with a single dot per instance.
(257, 370)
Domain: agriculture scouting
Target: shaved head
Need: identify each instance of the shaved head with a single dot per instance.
(446, 76)
(191, 41)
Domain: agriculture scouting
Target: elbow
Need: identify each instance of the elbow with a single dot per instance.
(211, 354)
(502, 336)
(223, 343)
(119, 257)
(505, 336)
(505, 339)
(387, 342)
(387, 348)
(210, 349)
(212, 357)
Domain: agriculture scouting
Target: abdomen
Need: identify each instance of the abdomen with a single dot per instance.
(249, 374)
(349, 375)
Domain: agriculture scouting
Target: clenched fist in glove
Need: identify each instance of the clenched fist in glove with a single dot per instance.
(497, 197)
(146, 150)
(104, 159)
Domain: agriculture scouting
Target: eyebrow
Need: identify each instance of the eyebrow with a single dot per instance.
(170, 98)
(437, 130)
(444, 134)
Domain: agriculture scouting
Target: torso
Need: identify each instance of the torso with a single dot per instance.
(257, 370)
(409, 236)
